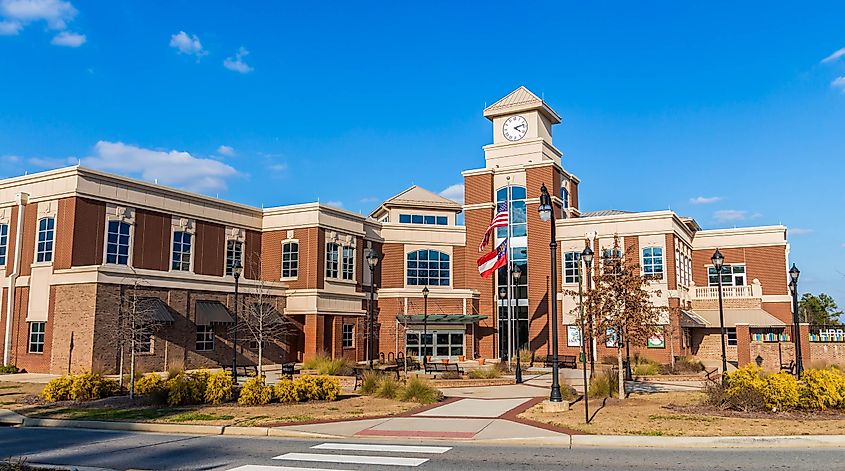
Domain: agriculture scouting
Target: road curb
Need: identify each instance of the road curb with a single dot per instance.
(246, 431)
(624, 441)
(124, 426)
(280, 433)
(8, 417)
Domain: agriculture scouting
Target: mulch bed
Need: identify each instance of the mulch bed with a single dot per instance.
(781, 415)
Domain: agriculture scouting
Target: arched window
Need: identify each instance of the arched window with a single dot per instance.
(428, 268)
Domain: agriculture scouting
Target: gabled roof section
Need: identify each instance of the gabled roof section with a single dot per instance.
(418, 197)
(518, 100)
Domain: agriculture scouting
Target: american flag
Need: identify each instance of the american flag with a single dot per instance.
(499, 220)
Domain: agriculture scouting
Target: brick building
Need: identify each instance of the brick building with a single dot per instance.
(75, 241)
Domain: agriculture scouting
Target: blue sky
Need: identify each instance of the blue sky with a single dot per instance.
(736, 106)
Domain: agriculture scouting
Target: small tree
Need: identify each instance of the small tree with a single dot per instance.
(260, 315)
(621, 301)
(137, 322)
(819, 310)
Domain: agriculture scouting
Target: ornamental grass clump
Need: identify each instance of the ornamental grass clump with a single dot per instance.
(488, 372)
(325, 365)
(419, 390)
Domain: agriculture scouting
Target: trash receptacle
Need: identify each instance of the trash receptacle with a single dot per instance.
(287, 369)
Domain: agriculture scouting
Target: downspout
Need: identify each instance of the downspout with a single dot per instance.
(22, 200)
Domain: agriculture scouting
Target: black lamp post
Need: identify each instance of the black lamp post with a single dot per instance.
(236, 272)
(718, 262)
(425, 325)
(587, 258)
(547, 214)
(503, 294)
(372, 261)
(516, 273)
(796, 319)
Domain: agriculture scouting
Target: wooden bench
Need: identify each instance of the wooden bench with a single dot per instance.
(360, 371)
(243, 370)
(563, 361)
(442, 367)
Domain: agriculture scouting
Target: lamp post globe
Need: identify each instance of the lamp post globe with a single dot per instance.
(237, 269)
(372, 261)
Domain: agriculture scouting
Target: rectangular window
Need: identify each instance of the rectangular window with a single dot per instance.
(653, 262)
(234, 253)
(4, 242)
(205, 338)
(348, 335)
(332, 256)
(36, 337)
(732, 275)
(731, 335)
(348, 263)
(423, 219)
(181, 251)
(405, 218)
(117, 243)
(46, 233)
(442, 220)
(144, 342)
(417, 219)
(290, 260)
(570, 267)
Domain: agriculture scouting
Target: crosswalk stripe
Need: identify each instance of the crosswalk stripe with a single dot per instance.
(382, 448)
(257, 467)
(352, 459)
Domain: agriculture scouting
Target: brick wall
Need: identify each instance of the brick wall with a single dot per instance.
(72, 314)
(30, 223)
(210, 247)
(768, 264)
(669, 262)
(393, 266)
(151, 249)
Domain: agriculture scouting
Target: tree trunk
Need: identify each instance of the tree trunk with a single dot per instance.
(621, 371)
(260, 352)
(120, 365)
(671, 340)
(132, 370)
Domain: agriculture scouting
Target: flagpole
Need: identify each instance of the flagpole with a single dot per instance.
(509, 276)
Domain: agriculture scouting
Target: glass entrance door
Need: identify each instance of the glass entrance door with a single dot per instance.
(436, 343)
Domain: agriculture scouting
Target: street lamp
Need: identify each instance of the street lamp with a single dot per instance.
(236, 272)
(425, 325)
(372, 261)
(547, 214)
(793, 284)
(718, 262)
(503, 294)
(587, 258)
(516, 272)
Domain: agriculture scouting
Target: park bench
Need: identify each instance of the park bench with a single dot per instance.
(243, 370)
(563, 361)
(788, 367)
(360, 371)
(442, 367)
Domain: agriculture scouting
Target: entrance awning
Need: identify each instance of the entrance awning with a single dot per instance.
(156, 309)
(440, 318)
(212, 312)
(755, 317)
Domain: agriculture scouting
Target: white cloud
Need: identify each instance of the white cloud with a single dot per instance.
(835, 56)
(730, 215)
(237, 63)
(57, 13)
(69, 39)
(799, 231)
(226, 150)
(189, 45)
(839, 82)
(454, 192)
(279, 167)
(11, 159)
(173, 168)
(705, 199)
(335, 203)
(369, 199)
(10, 28)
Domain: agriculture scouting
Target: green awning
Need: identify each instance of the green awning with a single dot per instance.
(440, 318)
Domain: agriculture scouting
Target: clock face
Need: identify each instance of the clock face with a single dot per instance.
(515, 128)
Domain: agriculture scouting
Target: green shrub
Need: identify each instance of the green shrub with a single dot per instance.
(219, 388)
(489, 372)
(419, 390)
(285, 391)
(388, 388)
(8, 369)
(89, 386)
(58, 389)
(326, 365)
(150, 384)
(604, 383)
(255, 393)
(822, 389)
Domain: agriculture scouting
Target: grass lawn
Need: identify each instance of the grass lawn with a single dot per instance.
(681, 414)
(121, 409)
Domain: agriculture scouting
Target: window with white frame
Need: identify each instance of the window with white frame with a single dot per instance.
(732, 275)
(332, 260)
(36, 337)
(653, 262)
(348, 263)
(205, 338)
(570, 267)
(427, 268)
(117, 243)
(234, 254)
(290, 259)
(423, 219)
(144, 342)
(683, 264)
(348, 335)
(46, 235)
(731, 332)
(181, 260)
(4, 242)
(564, 195)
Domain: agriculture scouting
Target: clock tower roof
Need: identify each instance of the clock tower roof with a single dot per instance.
(520, 100)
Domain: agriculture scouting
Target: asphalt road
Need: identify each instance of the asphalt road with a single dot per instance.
(127, 450)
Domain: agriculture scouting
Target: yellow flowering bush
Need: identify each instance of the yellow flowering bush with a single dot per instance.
(58, 389)
(285, 391)
(150, 384)
(255, 393)
(781, 391)
(219, 388)
(822, 389)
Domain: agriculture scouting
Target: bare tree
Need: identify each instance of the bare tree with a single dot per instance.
(137, 322)
(260, 315)
(621, 303)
